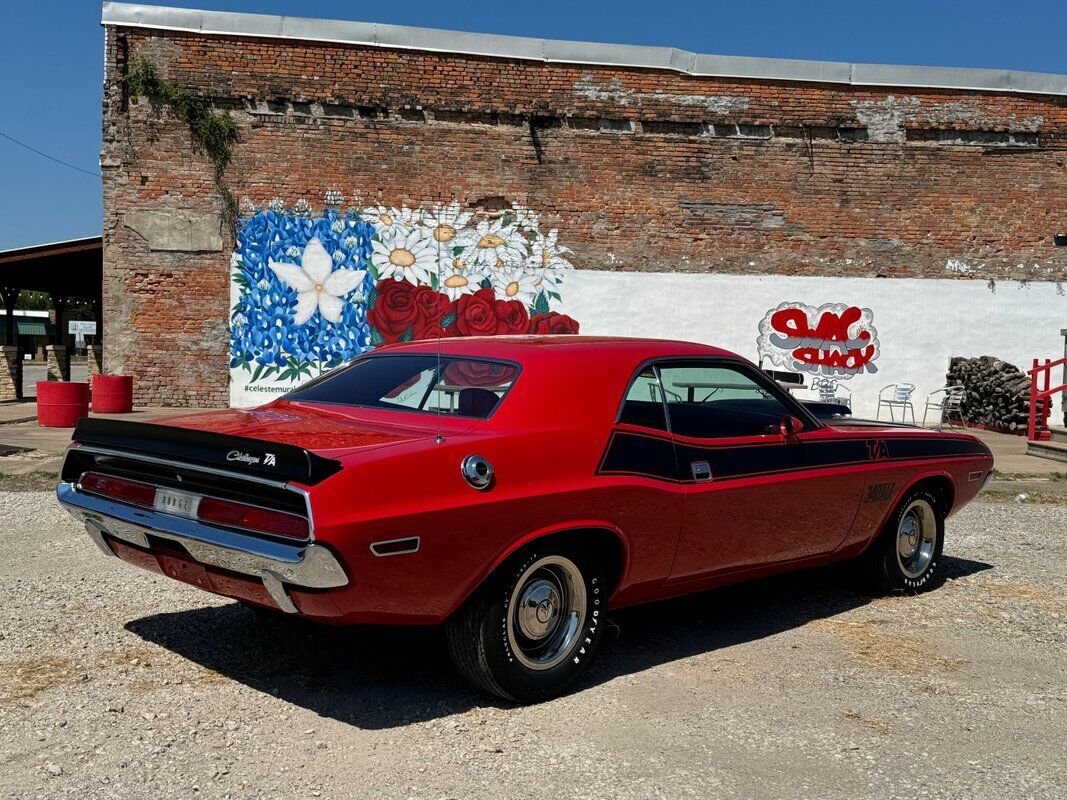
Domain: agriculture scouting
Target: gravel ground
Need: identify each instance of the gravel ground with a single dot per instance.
(118, 683)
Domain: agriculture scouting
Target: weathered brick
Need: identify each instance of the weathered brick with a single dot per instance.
(639, 169)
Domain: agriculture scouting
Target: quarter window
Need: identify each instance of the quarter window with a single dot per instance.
(644, 402)
(710, 401)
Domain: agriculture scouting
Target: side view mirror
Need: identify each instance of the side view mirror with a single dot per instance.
(790, 427)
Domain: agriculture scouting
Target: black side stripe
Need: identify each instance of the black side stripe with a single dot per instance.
(657, 457)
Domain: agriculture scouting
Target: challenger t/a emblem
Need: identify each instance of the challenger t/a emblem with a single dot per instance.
(268, 460)
(244, 458)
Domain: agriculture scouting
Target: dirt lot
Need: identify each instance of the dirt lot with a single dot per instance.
(117, 683)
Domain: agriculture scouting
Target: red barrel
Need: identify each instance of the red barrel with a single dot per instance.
(112, 394)
(60, 404)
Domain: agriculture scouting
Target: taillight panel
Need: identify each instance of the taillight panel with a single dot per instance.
(214, 510)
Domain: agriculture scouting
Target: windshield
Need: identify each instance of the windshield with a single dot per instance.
(461, 387)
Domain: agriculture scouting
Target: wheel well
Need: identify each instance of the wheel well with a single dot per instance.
(941, 487)
(593, 542)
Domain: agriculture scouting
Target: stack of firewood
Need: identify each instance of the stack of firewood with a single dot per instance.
(998, 393)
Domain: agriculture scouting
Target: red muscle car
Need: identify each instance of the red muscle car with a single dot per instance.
(516, 490)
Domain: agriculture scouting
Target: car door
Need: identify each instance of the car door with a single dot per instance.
(754, 495)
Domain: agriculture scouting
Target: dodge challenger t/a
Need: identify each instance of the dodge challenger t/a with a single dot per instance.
(516, 490)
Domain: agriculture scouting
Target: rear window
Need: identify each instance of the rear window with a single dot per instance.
(461, 387)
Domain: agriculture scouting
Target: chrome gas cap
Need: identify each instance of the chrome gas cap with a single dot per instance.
(478, 472)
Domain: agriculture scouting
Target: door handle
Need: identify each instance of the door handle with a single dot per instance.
(701, 470)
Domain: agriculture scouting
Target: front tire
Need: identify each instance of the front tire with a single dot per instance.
(906, 557)
(533, 628)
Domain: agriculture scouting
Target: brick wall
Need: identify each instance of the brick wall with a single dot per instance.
(641, 170)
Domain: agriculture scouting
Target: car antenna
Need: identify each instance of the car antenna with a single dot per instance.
(437, 308)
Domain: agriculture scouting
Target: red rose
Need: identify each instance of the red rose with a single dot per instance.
(395, 310)
(512, 317)
(429, 330)
(552, 322)
(432, 306)
(475, 314)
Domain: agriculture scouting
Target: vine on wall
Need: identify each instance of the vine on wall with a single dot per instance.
(214, 132)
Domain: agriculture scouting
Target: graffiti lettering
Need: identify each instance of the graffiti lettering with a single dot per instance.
(836, 340)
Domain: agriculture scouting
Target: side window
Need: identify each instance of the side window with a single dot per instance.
(707, 401)
(644, 402)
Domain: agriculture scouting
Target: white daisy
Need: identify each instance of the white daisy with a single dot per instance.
(318, 285)
(458, 279)
(449, 225)
(526, 217)
(547, 260)
(513, 283)
(386, 221)
(494, 244)
(410, 256)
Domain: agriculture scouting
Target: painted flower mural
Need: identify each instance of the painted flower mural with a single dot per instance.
(310, 292)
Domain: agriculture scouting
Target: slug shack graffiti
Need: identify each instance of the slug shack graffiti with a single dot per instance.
(311, 292)
(833, 340)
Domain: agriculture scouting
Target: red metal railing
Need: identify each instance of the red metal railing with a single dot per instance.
(1041, 398)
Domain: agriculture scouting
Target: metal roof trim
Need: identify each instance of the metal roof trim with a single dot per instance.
(226, 23)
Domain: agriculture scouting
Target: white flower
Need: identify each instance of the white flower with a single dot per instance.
(526, 217)
(458, 279)
(277, 205)
(411, 256)
(350, 242)
(547, 260)
(338, 226)
(494, 244)
(239, 320)
(263, 284)
(292, 251)
(302, 207)
(334, 197)
(513, 283)
(449, 225)
(317, 283)
(387, 222)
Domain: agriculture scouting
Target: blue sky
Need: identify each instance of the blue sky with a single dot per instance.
(52, 56)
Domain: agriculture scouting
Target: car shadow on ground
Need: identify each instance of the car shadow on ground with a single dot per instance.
(379, 677)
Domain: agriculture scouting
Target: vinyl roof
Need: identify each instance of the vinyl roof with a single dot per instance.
(371, 34)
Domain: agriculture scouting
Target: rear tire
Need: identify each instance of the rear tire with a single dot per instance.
(531, 630)
(906, 556)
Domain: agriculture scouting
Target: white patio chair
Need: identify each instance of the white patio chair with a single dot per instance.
(896, 395)
(831, 391)
(947, 401)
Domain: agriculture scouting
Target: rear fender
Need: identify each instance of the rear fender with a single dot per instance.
(572, 526)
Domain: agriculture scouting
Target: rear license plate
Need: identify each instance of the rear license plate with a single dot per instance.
(171, 501)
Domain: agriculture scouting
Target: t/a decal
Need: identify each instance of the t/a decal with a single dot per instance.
(877, 450)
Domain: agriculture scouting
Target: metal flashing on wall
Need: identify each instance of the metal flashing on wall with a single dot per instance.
(225, 23)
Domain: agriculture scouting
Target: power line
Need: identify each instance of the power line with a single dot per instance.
(50, 158)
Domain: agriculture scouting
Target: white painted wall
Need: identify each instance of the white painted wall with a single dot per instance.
(921, 323)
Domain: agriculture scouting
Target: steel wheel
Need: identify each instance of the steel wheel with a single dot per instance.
(546, 612)
(916, 538)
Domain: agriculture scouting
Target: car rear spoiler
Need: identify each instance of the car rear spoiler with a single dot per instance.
(238, 454)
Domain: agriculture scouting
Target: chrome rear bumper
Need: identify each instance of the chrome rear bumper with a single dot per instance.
(306, 564)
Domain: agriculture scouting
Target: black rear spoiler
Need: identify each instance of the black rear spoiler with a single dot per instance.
(240, 455)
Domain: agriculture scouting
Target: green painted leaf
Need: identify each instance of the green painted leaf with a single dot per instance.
(449, 319)
(407, 335)
(541, 303)
(376, 339)
(372, 297)
(256, 374)
(485, 284)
